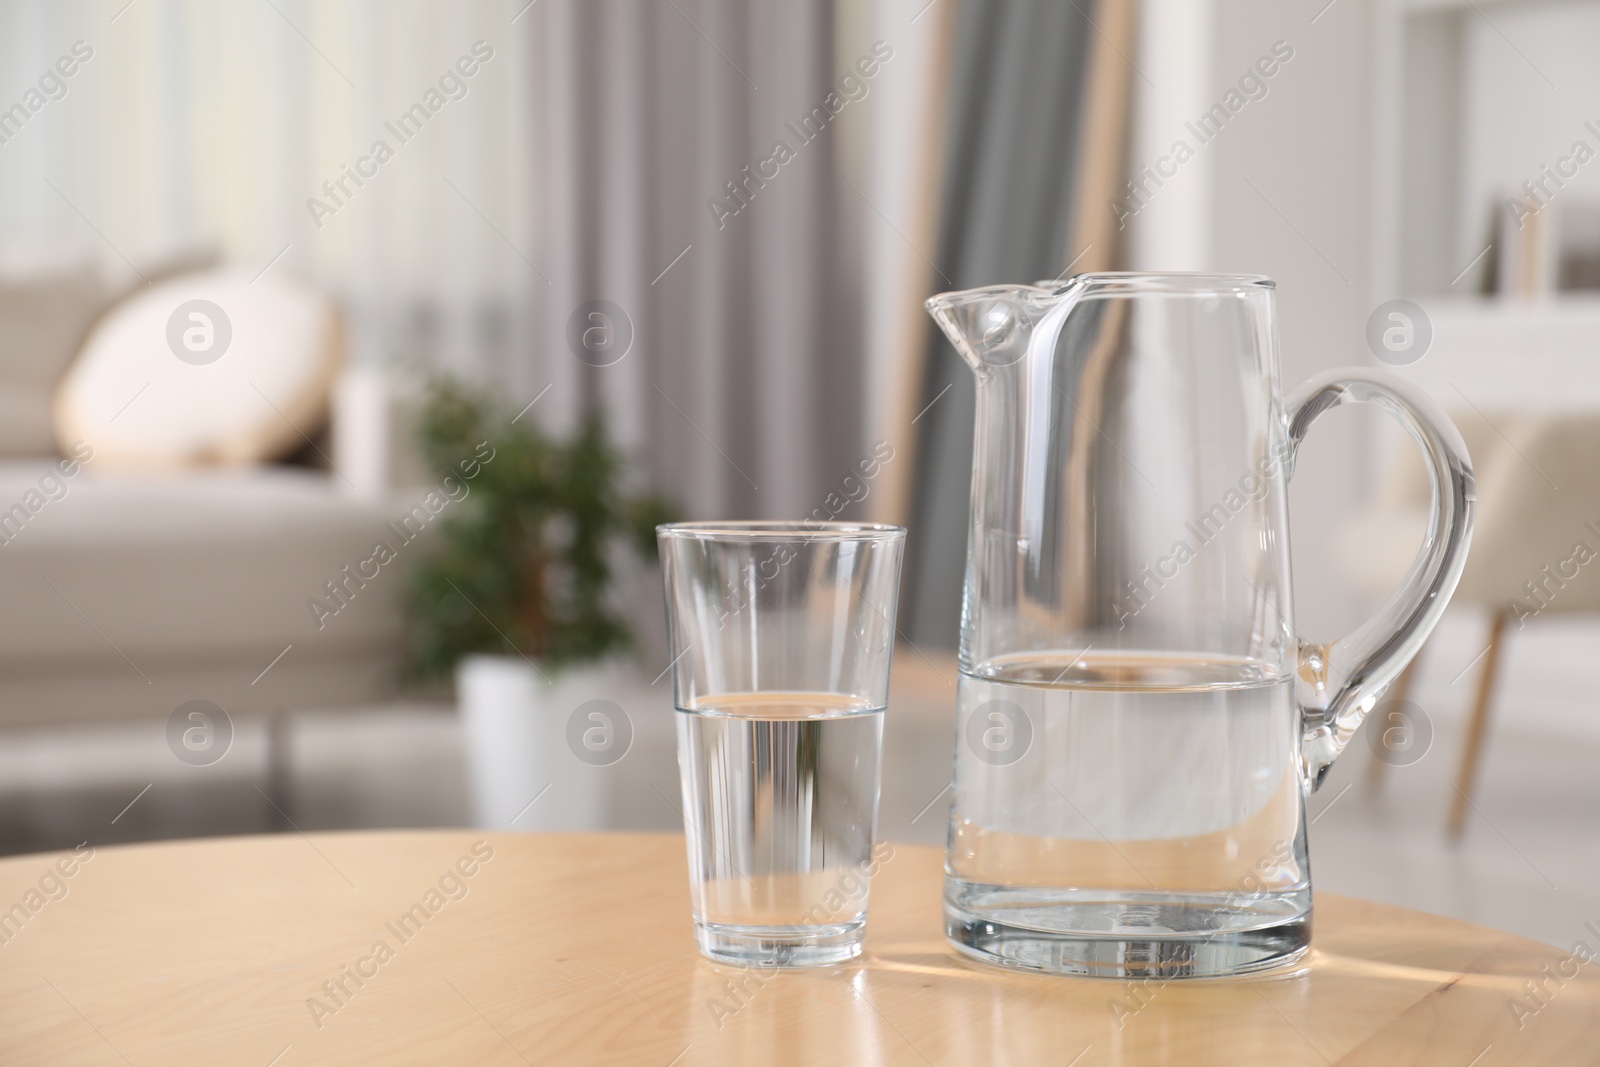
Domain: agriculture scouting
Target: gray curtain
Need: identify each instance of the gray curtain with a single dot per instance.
(1017, 100)
(740, 392)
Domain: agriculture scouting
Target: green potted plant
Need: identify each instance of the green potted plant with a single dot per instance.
(518, 599)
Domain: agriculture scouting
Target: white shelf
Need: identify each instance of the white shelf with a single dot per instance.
(1429, 6)
(1541, 355)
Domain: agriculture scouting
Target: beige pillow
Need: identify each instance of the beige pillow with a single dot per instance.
(207, 368)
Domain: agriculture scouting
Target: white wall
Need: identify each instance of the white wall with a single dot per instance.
(1284, 191)
(1526, 103)
(1175, 39)
(895, 159)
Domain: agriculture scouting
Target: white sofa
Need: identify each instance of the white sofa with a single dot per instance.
(127, 595)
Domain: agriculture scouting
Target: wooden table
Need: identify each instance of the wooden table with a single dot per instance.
(578, 949)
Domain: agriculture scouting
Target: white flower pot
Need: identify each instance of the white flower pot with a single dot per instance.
(545, 749)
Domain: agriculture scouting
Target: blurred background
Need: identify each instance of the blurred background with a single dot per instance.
(349, 351)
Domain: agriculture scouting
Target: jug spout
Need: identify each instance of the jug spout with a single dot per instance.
(990, 326)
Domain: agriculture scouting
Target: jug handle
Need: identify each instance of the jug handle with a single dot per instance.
(1338, 683)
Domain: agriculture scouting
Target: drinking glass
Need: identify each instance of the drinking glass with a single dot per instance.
(781, 636)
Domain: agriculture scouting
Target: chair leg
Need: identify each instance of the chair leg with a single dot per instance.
(1401, 689)
(1467, 778)
(279, 771)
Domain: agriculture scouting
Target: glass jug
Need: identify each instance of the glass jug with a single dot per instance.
(1139, 723)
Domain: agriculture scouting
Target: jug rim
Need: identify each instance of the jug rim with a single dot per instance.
(1129, 280)
(1176, 280)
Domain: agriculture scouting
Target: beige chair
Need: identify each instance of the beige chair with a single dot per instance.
(1535, 550)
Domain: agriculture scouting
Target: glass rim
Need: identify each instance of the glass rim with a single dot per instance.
(765, 530)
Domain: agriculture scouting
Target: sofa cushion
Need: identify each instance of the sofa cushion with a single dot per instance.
(186, 569)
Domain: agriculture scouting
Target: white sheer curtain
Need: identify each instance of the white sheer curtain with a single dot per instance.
(579, 166)
(196, 123)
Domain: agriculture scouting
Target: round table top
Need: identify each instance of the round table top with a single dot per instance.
(461, 947)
